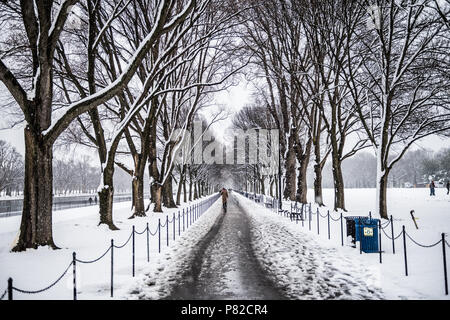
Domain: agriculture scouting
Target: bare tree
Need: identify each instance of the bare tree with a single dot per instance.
(11, 167)
(42, 25)
(398, 76)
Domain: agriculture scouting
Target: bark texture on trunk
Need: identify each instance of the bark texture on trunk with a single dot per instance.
(36, 223)
(290, 164)
(158, 198)
(339, 197)
(168, 194)
(105, 196)
(138, 197)
(382, 196)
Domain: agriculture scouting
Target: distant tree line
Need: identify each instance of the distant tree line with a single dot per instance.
(416, 169)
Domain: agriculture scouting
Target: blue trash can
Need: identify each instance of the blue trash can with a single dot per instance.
(365, 230)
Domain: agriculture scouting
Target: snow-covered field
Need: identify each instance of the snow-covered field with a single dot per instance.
(76, 230)
(425, 278)
(280, 244)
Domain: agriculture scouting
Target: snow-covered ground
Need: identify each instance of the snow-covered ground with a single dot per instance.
(76, 230)
(155, 279)
(279, 243)
(425, 278)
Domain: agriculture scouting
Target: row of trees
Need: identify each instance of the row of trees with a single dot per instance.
(416, 169)
(124, 78)
(11, 169)
(336, 77)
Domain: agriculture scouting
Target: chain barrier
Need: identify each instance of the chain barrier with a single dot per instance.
(153, 234)
(322, 215)
(387, 224)
(119, 247)
(338, 219)
(395, 238)
(139, 233)
(163, 225)
(46, 288)
(95, 260)
(422, 245)
(362, 221)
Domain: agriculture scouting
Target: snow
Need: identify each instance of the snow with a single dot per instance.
(77, 230)
(308, 265)
(155, 280)
(425, 278)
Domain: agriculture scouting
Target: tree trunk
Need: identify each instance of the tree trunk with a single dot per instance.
(168, 193)
(339, 199)
(382, 182)
(289, 191)
(180, 185)
(105, 197)
(318, 184)
(184, 190)
(302, 187)
(137, 185)
(158, 202)
(195, 191)
(190, 187)
(318, 197)
(36, 224)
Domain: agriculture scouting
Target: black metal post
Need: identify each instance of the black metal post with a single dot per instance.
(183, 219)
(329, 237)
(280, 196)
(342, 232)
(303, 217)
(392, 234)
(174, 226)
(112, 268)
(148, 243)
(318, 222)
(10, 289)
(310, 218)
(167, 230)
(404, 250)
(133, 242)
(360, 238)
(74, 261)
(379, 237)
(179, 223)
(159, 235)
(445, 264)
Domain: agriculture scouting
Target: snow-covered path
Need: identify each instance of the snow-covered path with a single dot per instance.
(305, 268)
(224, 266)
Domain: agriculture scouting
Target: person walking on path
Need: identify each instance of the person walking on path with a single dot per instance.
(224, 194)
(448, 187)
(95, 199)
(90, 201)
(432, 187)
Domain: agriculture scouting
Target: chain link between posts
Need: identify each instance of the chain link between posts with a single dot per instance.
(46, 288)
(129, 238)
(422, 245)
(95, 260)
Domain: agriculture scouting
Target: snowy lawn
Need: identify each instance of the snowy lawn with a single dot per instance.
(77, 230)
(425, 278)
